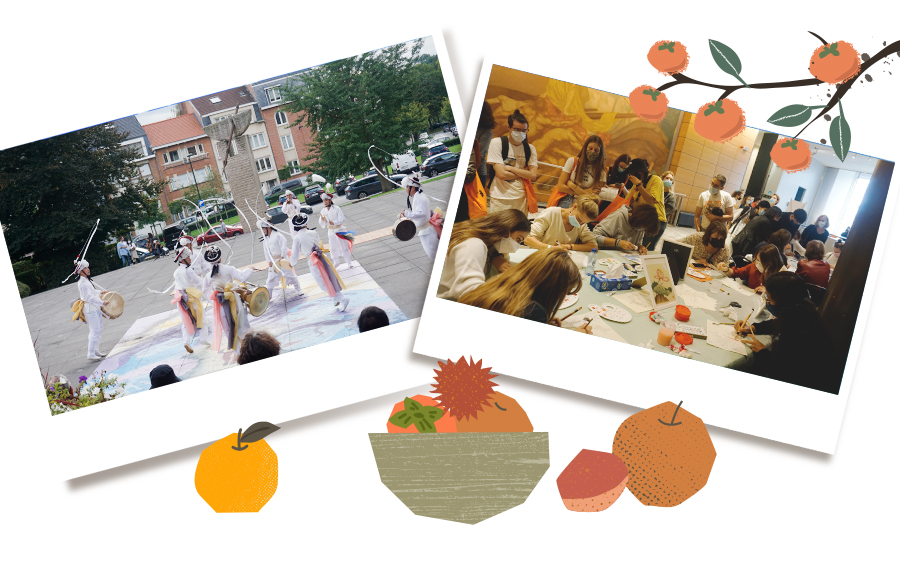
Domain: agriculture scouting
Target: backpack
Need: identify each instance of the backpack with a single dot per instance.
(504, 153)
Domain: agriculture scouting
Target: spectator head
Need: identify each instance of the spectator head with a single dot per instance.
(823, 218)
(586, 208)
(492, 228)
(668, 177)
(517, 121)
(786, 290)
(717, 183)
(622, 163)
(780, 238)
(121, 238)
(371, 318)
(486, 120)
(768, 261)
(592, 155)
(775, 199)
(258, 345)
(639, 168)
(764, 204)
(644, 217)
(838, 246)
(773, 214)
(736, 195)
(815, 250)
(715, 234)
(162, 375)
(799, 216)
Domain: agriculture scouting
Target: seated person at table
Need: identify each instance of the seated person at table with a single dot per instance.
(832, 256)
(814, 269)
(567, 227)
(533, 289)
(476, 245)
(710, 247)
(801, 350)
(757, 230)
(816, 231)
(649, 190)
(615, 174)
(582, 175)
(794, 249)
(755, 274)
(626, 228)
(780, 239)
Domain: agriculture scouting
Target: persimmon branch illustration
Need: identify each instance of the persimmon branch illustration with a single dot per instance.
(836, 63)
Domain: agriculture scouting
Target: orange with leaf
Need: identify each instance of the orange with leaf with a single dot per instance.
(719, 120)
(792, 155)
(648, 103)
(668, 57)
(834, 63)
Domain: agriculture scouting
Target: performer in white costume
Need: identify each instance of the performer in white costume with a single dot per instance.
(332, 218)
(89, 309)
(188, 300)
(230, 314)
(419, 211)
(276, 249)
(291, 205)
(306, 242)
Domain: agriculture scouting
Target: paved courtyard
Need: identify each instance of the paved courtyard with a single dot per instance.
(400, 269)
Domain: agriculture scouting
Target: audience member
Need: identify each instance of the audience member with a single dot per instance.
(371, 318)
(711, 199)
(566, 227)
(794, 248)
(817, 231)
(710, 247)
(649, 190)
(483, 134)
(792, 221)
(626, 228)
(162, 375)
(583, 175)
(615, 174)
(757, 230)
(668, 179)
(833, 255)
(780, 239)
(814, 269)
(755, 274)
(514, 169)
(258, 345)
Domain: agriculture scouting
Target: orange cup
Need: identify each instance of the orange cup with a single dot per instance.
(682, 313)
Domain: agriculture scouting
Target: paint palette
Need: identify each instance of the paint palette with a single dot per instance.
(569, 301)
(611, 312)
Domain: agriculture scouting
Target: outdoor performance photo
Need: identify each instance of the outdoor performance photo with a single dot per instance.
(577, 211)
(238, 225)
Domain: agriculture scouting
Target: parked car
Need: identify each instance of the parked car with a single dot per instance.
(313, 194)
(454, 131)
(368, 186)
(404, 163)
(440, 163)
(285, 186)
(217, 233)
(171, 233)
(423, 136)
(432, 150)
(275, 215)
(340, 186)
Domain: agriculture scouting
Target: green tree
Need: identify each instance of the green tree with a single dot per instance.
(153, 215)
(428, 86)
(52, 192)
(446, 111)
(284, 173)
(416, 115)
(354, 103)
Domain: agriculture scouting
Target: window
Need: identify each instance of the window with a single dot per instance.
(281, 118)
(195, 149)
(136, 146)
(273, 94)
(295, 167)
(287, 142)
(263, 164)
(257, 140)
(215, 100)
(171, 156)
(145, 170)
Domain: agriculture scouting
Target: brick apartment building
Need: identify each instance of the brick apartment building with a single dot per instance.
(183, 156)
(136, 138)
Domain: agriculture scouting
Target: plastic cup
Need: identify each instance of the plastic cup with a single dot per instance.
(666, 332)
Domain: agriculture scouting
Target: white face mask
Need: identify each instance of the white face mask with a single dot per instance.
(821, 223)
(713, 190)
(759, 266)
(517, 137)
(507, 246)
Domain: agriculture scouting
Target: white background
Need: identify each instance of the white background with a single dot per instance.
(70, 67)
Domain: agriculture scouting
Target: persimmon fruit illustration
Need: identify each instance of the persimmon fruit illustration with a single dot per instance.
(238, 474)
(792, 155)
(719, 120)
(648, 103)
(668, 453)
(592, 481)
(834, 63)
(668, 57)
(503, 414)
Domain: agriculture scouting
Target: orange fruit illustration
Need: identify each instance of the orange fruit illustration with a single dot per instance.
(504, 414)
(238, 474)
(592, 481)
(834, 63)
(443, 424)
(792, 155)
(668, 453)
(719, 120)
(648, 103)
(668, 57)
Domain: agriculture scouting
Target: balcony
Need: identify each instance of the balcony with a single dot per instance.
(184, 161)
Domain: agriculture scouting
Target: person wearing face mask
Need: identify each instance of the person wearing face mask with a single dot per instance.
(649, 189)
(710, 247)
(755, 274)
(757, 230)
(332, 218)
(581, 175)
(817, 231)
(418, 209)
(566, 227)
(780, 239)
(533, 289)
(832, 257)
(714, 197)
(478, 244)
(668, 179)
(801, 349)
(514, 165)
(626, 228)
(792, 221)
(615, 175)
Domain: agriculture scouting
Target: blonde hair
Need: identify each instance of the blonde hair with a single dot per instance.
(589, 205)
(544, 277)
(490, 229)
(667, 173)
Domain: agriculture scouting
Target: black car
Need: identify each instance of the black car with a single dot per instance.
(340, 186)
(170, 235)
(440, 163)
(433, 150)
(313, 194)
(275, 215)
(285, 186)
(368, 186)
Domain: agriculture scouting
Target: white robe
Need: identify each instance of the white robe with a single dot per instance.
(225, 276)
(92, 314)
(292, 209)
(421, 214)
(339, 246)
(186, 277)
(275, 248)
(303, 243)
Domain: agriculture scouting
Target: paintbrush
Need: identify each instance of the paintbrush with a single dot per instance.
(570, 314)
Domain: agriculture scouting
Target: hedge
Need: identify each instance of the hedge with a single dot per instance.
(49, 274)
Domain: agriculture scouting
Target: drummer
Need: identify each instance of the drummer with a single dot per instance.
(275, 248)
(419, 211)
(90, 308)
(230, 314)
(306, 242)
(189, 300)
(332, 218)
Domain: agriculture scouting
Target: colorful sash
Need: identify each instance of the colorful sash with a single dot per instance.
(347, 237)
(330, 277)
(190, 307)
(437, 221)
(219, 298)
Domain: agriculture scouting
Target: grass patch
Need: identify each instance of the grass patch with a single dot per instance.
(440, 177)
(228, 221)
(455, 148)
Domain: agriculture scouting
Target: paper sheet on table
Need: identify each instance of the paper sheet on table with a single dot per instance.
(723, 336)
(638, 301)
(737, 286)
(599, 327)
(633, 258)
(694, 298)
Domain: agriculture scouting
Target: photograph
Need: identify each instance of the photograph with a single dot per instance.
(267, 218)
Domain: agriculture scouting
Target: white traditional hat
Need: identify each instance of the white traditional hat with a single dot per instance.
(182, 254)
(299, 221)
(329, 196)
(185, 240)
(262, 224)
(80, 265)
(213, 254)
(288, 192)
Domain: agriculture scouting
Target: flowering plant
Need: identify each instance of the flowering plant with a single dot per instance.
(64, 397)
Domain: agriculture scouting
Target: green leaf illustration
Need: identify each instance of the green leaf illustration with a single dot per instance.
(792, 115)
(717, 107)
(411, 405)
(840, 135)
(829, 50)
(726, 59)
(416, 414)
(670, 46)
(402, 419)
(652, 93)
(790, 143)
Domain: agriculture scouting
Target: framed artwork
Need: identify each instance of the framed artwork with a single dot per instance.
(662, 285)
